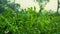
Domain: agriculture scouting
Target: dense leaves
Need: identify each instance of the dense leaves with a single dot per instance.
(29, 22)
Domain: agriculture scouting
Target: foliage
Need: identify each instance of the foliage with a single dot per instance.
(14, 6)
(29, 22)
(41, 0)
(3, 2)
(42, 3)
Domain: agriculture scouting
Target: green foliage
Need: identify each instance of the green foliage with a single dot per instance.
(29, 22)
(14, 6)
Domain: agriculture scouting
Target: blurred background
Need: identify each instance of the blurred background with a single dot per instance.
(51, 5)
